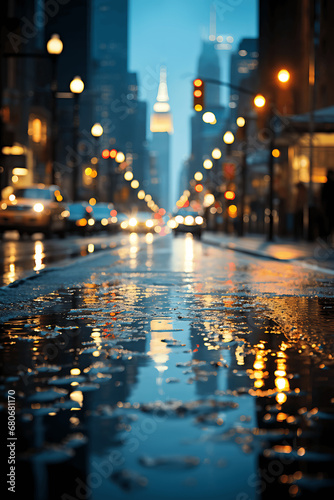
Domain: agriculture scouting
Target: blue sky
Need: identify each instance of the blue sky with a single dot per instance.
(169, 32)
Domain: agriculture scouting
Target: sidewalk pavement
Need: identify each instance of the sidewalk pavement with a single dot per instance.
(317, 253)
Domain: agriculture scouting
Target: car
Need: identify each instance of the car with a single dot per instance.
(139, 222)
(187, 221)
(79, 218)
(105, 216)
(33, 209)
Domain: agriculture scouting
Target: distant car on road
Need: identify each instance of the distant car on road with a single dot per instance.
(79, 218)
(33, 209)
(187, 221)
(105, 216)
(141, 222)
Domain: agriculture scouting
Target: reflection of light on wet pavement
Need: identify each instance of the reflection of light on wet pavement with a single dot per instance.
(160, 330)
(77, 396)
(39, 256)
(149, 249)
(11, 275)
(133, 238)
(189, 254)
(149, 238)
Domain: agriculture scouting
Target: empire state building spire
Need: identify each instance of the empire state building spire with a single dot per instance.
(161, 119)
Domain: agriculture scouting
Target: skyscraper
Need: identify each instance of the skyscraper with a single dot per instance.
(161, 126)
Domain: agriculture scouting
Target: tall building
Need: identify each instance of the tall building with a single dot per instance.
(115, 94)
(243, 73)
(25, 94)
(296, 35)
(161, 126)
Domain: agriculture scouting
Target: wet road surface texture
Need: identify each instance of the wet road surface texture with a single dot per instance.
(177, 370)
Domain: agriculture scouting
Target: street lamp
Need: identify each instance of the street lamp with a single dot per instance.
(216, 154)
(207, 164)
(97, 131)
(228, 138)
(76, 87)
(259, 101)
(54, 47)
(283, 76)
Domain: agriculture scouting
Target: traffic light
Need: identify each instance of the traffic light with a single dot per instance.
(229, 195)
(198, 94)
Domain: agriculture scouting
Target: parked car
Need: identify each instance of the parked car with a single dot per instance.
(105, 216)
(139, 222)
(33, 209)
(80, 218)
(188, 221)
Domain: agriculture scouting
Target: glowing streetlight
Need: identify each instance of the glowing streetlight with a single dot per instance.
(198, 176)
(241, 121)
(209, 117)
(97, 130)
(216, 154)
(120, 157)
(259, 101)
(77, 85)
(207, 164)
(228, 137)
(128, 176)
(283, 76)
(54, 45)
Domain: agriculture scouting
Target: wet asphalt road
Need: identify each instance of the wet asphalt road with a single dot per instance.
(167, 368)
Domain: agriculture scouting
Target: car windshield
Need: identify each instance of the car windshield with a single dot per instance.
(77, 209)
(34, 193)
(101, 211)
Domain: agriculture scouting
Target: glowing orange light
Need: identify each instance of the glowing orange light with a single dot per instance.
(162, 211)
(105, 153)
(197, 93)
(232, 211)
(81, 222)
(113, 153)
(113, 213)
(229, 195)
(276, 153)
(198, 82)
(198, 188)
(259, 101)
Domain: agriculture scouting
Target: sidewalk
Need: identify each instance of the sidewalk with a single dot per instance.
(317, 253)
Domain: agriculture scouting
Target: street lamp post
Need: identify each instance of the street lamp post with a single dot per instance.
(97, 131)
(242, 124)
(76, 87)
(54, 48)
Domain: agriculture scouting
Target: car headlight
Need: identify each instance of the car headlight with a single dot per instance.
(38, 207)
(172, 224)
(149, 223)
(133, 222)
(179, 219)
(189, 220)
(124, 224)
(91, 222)
(199, 220)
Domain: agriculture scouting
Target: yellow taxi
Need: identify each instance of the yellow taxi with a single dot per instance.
(33, 209)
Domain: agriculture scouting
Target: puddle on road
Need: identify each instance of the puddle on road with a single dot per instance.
(216, 395)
